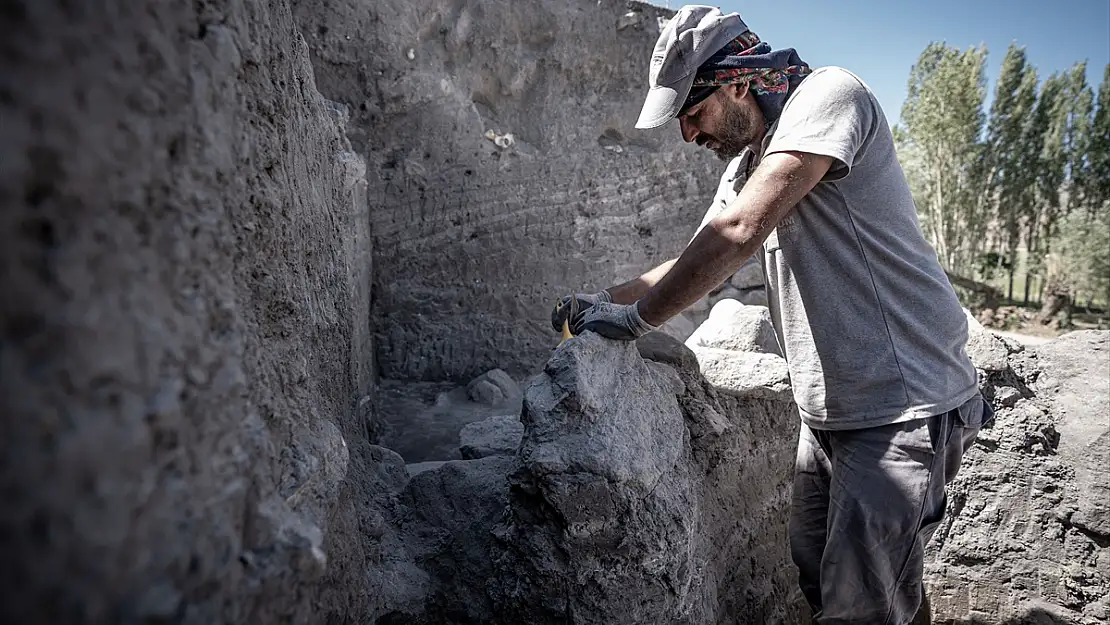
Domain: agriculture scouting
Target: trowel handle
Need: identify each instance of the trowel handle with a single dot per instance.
(566, 332)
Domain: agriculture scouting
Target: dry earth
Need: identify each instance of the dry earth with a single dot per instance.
(217, 281)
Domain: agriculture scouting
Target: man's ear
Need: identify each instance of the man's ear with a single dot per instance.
(737, 90)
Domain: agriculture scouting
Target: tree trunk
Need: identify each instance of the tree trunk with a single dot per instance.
(1011, 249)
(1057, 301)
(1032, 253)
(1010, 290)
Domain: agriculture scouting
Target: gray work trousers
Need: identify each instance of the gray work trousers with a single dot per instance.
(865, 504)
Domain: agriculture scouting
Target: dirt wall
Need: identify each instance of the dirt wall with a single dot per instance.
(473, 241)
(185, 250)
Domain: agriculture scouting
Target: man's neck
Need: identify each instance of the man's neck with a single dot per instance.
(756, 145)
(759, 142)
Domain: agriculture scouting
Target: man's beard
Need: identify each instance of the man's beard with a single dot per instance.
(737, 132)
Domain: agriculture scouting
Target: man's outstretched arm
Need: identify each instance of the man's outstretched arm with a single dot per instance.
(634, 289)
(780, 182)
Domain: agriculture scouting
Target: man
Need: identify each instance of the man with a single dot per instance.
(869, 324)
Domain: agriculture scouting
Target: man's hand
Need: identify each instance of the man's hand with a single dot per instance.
(562, 310)
(614, 321)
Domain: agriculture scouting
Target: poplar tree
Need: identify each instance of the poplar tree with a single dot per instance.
(1038, 179)
(943, 119)
(1008, 178)
(1097, 184)
(1078, 261)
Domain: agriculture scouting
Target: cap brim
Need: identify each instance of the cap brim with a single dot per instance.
(663, 103)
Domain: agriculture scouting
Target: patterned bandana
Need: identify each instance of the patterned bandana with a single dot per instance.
(771, 75)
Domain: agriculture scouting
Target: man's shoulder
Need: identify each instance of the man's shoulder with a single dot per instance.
(829, 92)
(833, 79)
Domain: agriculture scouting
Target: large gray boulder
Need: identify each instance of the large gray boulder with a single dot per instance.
(495, 436)
(1075, 382)
(988, 352)
(645, 495)
(1027, 536)
(746, 374)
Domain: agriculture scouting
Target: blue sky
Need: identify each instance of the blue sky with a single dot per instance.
(880, 40)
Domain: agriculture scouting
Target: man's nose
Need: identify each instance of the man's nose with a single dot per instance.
(689, 133)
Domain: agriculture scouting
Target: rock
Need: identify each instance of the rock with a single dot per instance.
(663, 348)
(732, 325)
(612, 382)
(746, 374)
(453, 512)
(1028, 512)
(388, 469)
(749, 276)
(1076, 386)
(631, 506)
(680, 327)
(485, 392)
(416, 468)
(495, 436)
(986, 351)
(508, 386)
(754, 297)
(728, 292)
(493, 388)
(1007, 396)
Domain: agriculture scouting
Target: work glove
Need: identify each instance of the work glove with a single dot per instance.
(614, 321)
(563, 310)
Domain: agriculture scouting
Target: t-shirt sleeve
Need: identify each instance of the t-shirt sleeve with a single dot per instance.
(832, 114)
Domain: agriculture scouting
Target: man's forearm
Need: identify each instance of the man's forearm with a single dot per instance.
(634, 289)
(716, 253)
(738, 232)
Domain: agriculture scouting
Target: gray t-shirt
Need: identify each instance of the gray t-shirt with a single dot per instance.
(870, 326)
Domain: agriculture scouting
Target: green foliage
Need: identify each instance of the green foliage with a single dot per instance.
(1080, 256)
(943, 119)
(1097, 183)
(1010, 180)
(1035, 184)
(1078, 139)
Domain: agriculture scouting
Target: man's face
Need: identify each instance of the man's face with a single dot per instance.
(725, 122)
